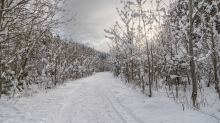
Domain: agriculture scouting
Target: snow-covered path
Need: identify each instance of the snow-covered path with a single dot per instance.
(90, 104)
(96, 99)
(82, 101)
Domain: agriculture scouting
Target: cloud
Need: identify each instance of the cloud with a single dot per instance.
(101, 46)
(93, 16)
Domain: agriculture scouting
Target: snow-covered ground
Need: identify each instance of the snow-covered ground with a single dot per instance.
(100, 98)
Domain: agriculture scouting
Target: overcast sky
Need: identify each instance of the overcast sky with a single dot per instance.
(93, 16)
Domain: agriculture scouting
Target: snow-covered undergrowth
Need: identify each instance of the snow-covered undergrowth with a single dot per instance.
(163, 106)
(30, 91)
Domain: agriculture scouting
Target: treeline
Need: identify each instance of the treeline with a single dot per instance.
(31, 54)
(175, 47)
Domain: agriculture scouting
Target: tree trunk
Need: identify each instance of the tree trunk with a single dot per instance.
(1, 11)
(2, 7)
(192, 63)
(152, 65)
(214, 60)
(148, 54)
(55, 72)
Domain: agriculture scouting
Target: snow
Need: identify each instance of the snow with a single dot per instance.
(100, 98)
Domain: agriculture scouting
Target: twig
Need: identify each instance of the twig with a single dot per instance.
(210, 115)
(17, 100)
(214, 102)
(206, 113)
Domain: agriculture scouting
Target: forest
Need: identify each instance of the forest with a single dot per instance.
(159, 50)
(175, 47)
(33, 53)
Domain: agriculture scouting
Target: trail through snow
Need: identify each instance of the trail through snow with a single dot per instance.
(96, 99)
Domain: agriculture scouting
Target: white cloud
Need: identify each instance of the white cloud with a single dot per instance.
(100, 46)
(93, 16)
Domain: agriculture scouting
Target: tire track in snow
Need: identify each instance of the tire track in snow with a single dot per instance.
(74, 94)
(96, 104)
(125, 114)
(116, 111)
(92, 106)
